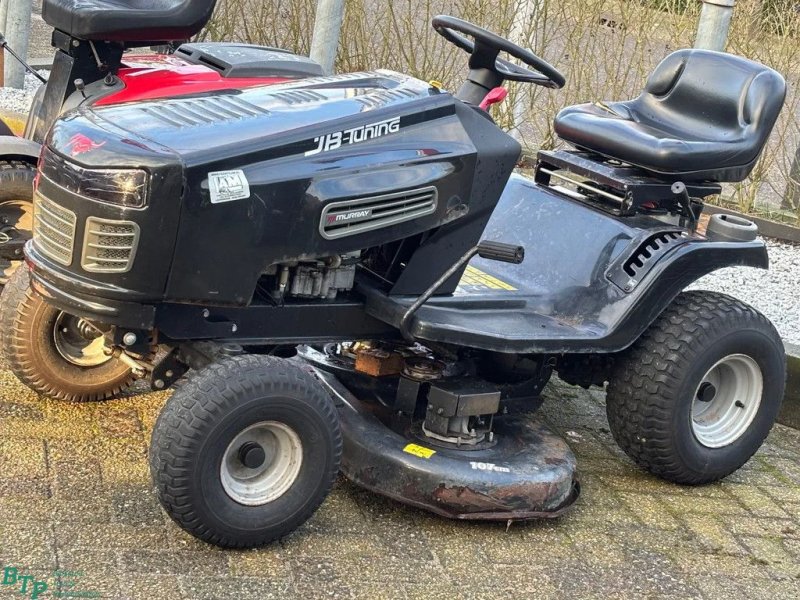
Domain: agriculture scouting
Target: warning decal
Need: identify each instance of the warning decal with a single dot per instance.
(420, 451)
(475, 280)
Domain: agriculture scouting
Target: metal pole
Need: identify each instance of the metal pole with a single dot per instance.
(3, 15)
(327, 29)
(18, 29)
(523, 33)
(715, 22)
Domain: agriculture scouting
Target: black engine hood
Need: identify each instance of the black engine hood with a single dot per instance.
(278, 120)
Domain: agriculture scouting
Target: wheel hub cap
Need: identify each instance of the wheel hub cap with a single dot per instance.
(79, 342)
(252, 455)
(261, 463)
(727, 400)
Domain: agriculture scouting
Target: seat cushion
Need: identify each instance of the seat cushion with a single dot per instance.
(703, 115)
(603, 129)
(128, 20)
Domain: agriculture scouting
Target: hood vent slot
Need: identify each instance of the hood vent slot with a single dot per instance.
(641, 256)
(298, 97)
(351, 217)
(191, 112)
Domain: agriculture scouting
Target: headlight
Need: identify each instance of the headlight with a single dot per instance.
(123, 187)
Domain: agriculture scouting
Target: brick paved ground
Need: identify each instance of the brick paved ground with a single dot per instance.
(75, 496)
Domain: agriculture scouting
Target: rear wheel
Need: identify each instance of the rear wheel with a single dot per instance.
(54, 353)
(16, 208)
(697, 394)
(245, 451)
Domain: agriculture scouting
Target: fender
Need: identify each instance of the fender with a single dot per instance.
(567, 279)
(674, 273)
(12, 146)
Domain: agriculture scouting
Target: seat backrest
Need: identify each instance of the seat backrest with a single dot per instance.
(714, 94)
(129, 20)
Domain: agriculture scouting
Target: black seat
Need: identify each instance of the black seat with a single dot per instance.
(703, 116)
(128, 20)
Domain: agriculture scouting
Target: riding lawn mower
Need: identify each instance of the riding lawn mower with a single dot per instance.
(344, 272)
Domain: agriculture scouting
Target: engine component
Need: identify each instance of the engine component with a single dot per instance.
(322, 279)
(378, 362)
(461, 411)
(423, 369)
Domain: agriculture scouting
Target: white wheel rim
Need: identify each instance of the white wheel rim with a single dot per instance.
(722, 413)
(262, 484)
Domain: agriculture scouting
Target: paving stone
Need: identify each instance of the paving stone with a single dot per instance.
(22, 411)
(650, 510)
(135, 587)
(75, 493)
(758, 502)
(86, 571)
(23, 460)
(27, 545)
(171, 562)
(115, 536)
(241, 588)
(778, 528)
(123, 422)
(324, 578)
(712, 534)
(271, 563)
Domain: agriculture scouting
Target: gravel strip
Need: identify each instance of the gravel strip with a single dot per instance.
(19, 101)
(776, 292)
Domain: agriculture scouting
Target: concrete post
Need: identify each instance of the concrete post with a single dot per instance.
(18, 29)
(715, 22)
(3, 13)
(327, 29)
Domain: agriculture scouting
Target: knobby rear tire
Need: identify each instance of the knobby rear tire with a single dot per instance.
(654, 385)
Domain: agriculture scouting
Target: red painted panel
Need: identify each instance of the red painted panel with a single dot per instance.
(160, 76)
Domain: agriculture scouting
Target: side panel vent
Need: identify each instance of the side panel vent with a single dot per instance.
(109, 246)
(351, 217)
(641, 256)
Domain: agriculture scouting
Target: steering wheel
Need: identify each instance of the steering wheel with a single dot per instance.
(485, 52)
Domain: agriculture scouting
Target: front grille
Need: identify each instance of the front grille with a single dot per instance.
(341, 219)
(109, 246)
(53, 230)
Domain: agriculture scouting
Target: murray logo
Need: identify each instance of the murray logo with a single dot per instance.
(345, 217)
(332, 141)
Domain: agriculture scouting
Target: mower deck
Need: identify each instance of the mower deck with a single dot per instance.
(528, 473)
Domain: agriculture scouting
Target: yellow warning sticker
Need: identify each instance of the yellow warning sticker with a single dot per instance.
(475, 280)
(420, 451)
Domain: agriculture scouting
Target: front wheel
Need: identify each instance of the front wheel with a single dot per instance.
(246, 451)
(694, 398)
(53, 352)
(16, 209)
